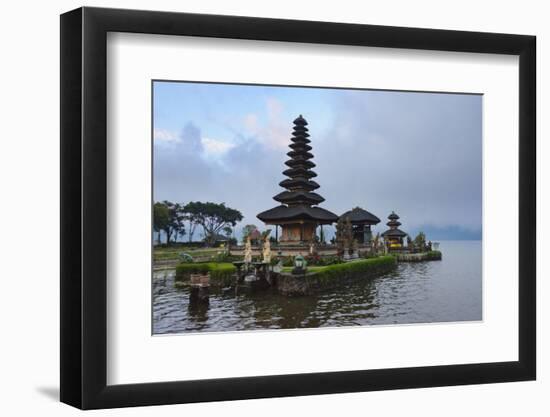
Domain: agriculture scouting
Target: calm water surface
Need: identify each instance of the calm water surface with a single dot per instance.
(426, 292)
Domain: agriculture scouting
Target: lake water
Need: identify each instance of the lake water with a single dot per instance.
(425, 292)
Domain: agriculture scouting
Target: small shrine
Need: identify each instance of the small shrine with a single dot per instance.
(298, 214)
(361, 222)
(393, 237)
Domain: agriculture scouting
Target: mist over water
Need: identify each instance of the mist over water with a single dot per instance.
(425, 292)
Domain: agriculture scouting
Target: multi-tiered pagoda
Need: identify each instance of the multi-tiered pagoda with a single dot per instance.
(394, 236)
(298, 215)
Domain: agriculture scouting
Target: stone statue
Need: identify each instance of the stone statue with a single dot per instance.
(247, 251)
(267, 250)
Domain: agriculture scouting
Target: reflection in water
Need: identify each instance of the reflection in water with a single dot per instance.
(426, 292)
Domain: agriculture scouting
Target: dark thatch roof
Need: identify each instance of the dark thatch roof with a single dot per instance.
(300, 121)
(302, 183)
(302, 153)
(300, 146)
(394, 233)
(284, 213)
(299, 172)
(300, 138)
(296, 162)
(393, 216)
(299, 197)
(360, 216)
(393, 224)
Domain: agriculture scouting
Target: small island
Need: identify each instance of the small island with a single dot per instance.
(297, 260)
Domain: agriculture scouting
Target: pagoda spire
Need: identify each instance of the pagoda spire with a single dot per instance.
(394, 236)
(394, 222)
(299, 213)
(299, 185)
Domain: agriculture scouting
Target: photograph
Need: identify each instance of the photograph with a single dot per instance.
(297, 207)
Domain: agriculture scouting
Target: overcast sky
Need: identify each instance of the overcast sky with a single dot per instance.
(419, 154)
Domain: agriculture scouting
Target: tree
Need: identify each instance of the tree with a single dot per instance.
(420, 241)
(174, 225)
(214, 217)
(180, 232)
(228, 231)
(190, 213)
(248, 229)
(161, 218)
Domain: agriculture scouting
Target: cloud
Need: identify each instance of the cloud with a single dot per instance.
(215, 147)
(275, 132)
(244, 174)
(165, 135)
(251, 123)
(178, 168)
(418, 154)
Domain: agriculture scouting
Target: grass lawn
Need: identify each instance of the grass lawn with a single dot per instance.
(359, 265)
(172, 252)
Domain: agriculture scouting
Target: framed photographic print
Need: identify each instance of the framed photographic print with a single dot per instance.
(258, 207)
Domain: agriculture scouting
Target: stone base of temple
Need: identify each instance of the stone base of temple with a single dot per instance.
(288, 243)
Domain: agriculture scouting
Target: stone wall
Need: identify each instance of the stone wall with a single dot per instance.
(295, 250)
(433, 255)
(334, 276)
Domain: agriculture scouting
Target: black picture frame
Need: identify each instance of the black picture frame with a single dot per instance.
(84, 207)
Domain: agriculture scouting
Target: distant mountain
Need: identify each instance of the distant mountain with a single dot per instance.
(446, 233)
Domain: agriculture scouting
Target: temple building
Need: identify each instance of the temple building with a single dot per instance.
(298, 214)
(361, 222)
(393, 236)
